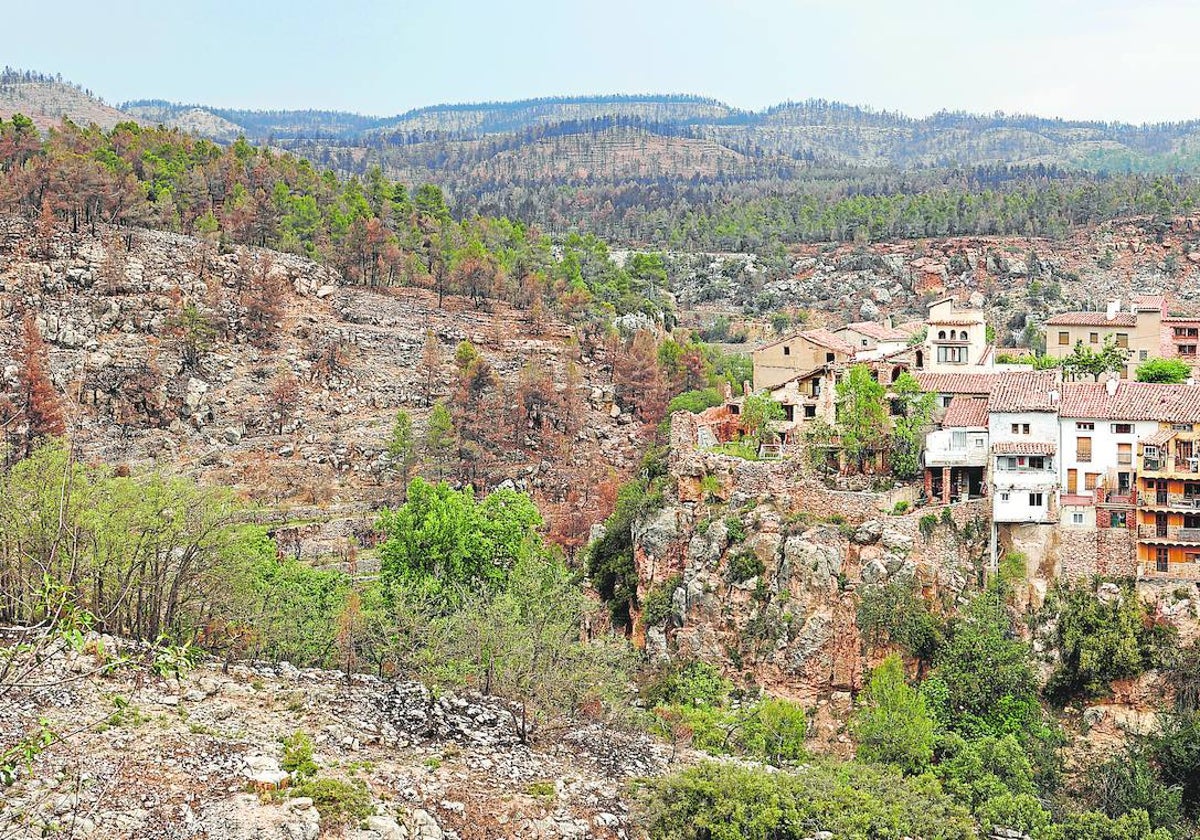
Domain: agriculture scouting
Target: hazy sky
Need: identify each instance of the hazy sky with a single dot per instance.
(1134, 60)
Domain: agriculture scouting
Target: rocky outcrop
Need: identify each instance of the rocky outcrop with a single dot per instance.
(766, 573)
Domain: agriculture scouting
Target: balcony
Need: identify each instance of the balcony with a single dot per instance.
(1168, 571)
(1170, 534)
(971, 457)
(1169, 500)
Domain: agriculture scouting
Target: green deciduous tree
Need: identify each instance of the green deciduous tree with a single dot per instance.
(861, 414)
(1170, 371)
(893, 725)
(912, 410)
(446, 542)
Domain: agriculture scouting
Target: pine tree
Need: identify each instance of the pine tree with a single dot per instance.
(39, 400)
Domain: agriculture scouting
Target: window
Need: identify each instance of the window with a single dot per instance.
(1021, 462)
(941, 335)
(789, 413)
(1076, 518)
(1162, 560)
(1122, 428)
(1181, 427)
(1083, 449)
(1004, 496)
(979, 443)
(1118, 519)
(1020, 428)
(1124, 453)
(1122, 339)
(1090, 480)
(1187, 349)
(1064, 338)
(1093, 338)
(1142, 354)
(735, 409)
(952, 355)
(864, 342)
(829, 357)
(1036, 500)
(787, 351)
(810, 411)
(1085, 427)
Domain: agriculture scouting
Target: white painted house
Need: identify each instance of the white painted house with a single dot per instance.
(1023, 429)
(1099, 429)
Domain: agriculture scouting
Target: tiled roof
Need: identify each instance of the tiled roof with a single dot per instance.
(956, 383)
(1024, 447)
(955, 321)
(1132, 401)
(825, 338)
(1160, 438)
(1076, 499)
(1025, 391)
(966, 412)
(877, 331)
(819, 336)
(799, 377)
(1092, 319)
(1182, 319)
(1148, 302)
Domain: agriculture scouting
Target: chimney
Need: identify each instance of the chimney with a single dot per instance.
(1191, 380)
(746, 388)
(1110, 385)
(1054, 397)
(1114, 306)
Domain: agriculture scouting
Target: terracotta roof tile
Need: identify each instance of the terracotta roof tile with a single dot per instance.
(825, 338)
(1024, 447)
(956, 383)
(966, 412)
(1025, 391)
(1132, 401)
(1160, 438)
(1076, 499)
(1092, 319)
(877, 331)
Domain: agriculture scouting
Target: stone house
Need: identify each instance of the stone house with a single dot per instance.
(1144, 330)
(785, 358)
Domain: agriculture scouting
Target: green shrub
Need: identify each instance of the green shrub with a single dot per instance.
(926, 524)
(732, 802)
(694, 401)
(1012, 567)
(893, 725)
(746, 450)
(1128, 782)
(896, 613)
(339, 803)
(900, 508)
(710, 487)
(298, 756)
(691, 684)
(656, 608)
(1175, 751)
(1099, 642)
(735, 529)
(745, 565)
(1092, 825)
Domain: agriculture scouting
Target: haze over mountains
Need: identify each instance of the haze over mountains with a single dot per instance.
(682, 136)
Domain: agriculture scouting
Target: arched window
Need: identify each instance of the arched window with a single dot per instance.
(942, 335)
(920, 360)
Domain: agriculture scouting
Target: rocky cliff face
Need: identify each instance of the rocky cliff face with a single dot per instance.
(764, 566)
(1018, 279)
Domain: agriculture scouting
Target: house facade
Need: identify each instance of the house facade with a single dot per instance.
(955, 339)
(957, 454)
(1023, 432)
(1140, 330)
(798, 353)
